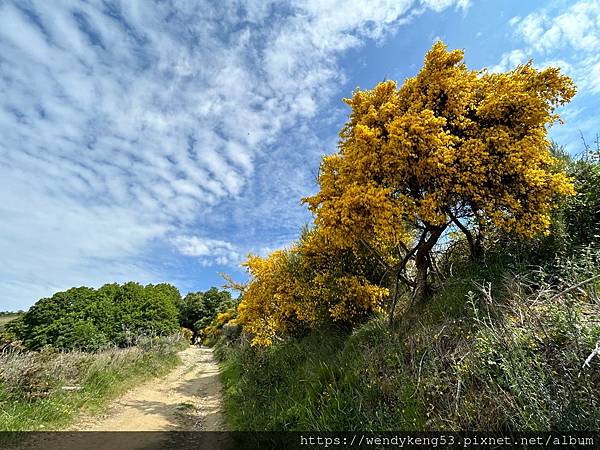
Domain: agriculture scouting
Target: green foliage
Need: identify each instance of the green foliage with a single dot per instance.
(197, 310)
(89, 319)
(10, 326)
(575, 222)
(191, 309)
(582, 213)
(327, 381)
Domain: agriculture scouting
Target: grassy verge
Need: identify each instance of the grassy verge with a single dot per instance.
(494, 350)
(45, 390)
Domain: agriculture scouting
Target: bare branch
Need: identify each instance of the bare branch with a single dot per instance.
(574, 287)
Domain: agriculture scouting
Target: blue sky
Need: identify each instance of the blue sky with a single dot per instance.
(164, 141)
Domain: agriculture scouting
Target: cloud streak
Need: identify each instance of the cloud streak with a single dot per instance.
(127, 125)
(565, 36)
(209, 251)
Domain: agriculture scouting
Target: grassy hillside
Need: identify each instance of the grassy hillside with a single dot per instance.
(496, 348)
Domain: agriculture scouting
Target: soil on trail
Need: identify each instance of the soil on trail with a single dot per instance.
(187, 399)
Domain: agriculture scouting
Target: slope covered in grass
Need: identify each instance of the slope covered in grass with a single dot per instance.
(497, 348)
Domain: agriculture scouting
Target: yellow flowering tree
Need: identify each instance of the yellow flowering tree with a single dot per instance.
(451, 147)
(295, 289)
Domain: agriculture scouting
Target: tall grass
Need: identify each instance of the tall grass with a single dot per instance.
(45, 390)
(499, 349)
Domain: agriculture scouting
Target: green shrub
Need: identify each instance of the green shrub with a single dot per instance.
(582, 213)
(575, 221)
(89, 319)
(197, 310)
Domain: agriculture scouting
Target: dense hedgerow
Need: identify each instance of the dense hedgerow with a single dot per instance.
(198, 310)
(88, 319)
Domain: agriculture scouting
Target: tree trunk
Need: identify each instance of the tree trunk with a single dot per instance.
(475, 242)
(394, 300)
(422, 289)
(477, 253)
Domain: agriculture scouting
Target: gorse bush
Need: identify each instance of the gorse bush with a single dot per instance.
(89, 319)
(450, 152)
(187, 334)
(224, 324)
(292, 291)
(450, 148)
(447, 206)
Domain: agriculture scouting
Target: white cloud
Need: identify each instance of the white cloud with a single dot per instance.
(125, 123)
(440, 5)
(49, 244)
(509, 61)
(578, 27)
(591, 74)
(565, 35)
(209, 251)
(569, 39)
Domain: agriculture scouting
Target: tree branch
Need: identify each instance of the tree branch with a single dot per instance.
(462, 228)
(574, 287)
(376, 254)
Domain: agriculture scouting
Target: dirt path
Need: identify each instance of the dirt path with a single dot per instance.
(188, 398)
